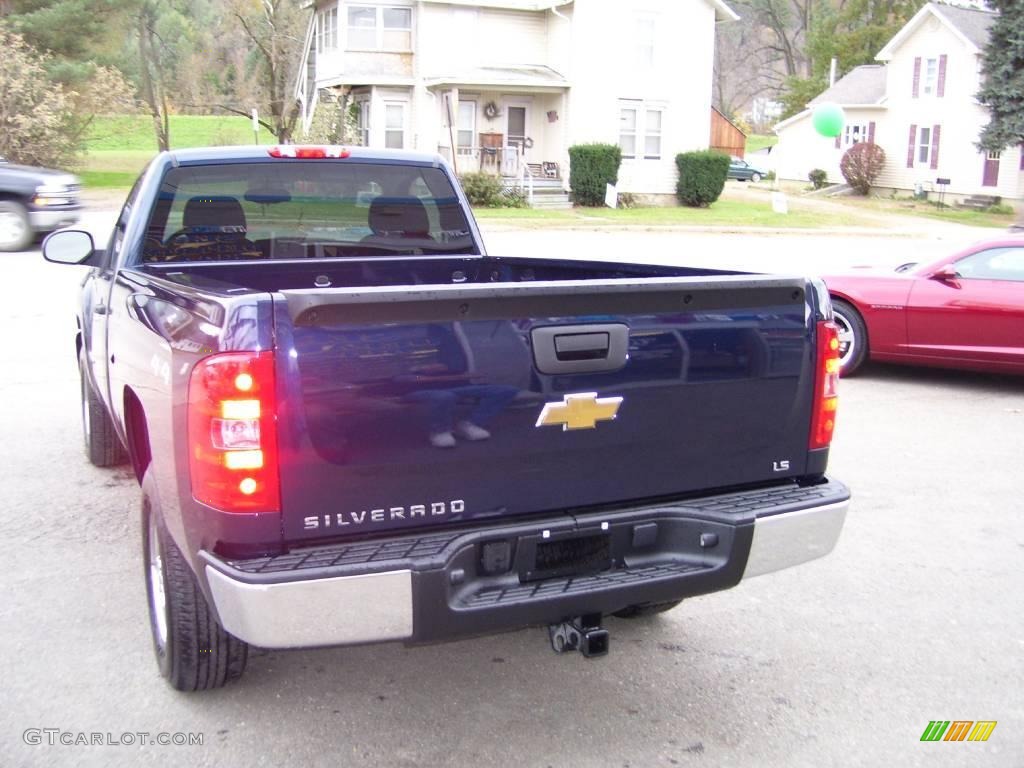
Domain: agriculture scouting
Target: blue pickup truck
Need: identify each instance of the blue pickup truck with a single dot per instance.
(353, 425)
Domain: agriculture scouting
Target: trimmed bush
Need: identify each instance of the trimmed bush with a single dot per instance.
(861, 165)
(591, 167)
(701, 177)
(482, 189)
(818, 178)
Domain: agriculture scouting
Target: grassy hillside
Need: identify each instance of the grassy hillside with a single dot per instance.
(118, 147)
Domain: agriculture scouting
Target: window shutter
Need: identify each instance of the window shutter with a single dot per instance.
(940, 89)
(936, 132)
(871, 133)
(917, 76)
(910, 146)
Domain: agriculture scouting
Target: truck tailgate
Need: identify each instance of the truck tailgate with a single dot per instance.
(417, 407)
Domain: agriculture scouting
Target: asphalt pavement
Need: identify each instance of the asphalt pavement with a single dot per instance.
(918, 615)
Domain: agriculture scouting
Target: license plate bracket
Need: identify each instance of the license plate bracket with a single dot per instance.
(571, 555)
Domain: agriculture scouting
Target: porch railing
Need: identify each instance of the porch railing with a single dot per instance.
(501, 161)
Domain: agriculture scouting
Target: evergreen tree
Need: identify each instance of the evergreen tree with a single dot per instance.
(1003, 70)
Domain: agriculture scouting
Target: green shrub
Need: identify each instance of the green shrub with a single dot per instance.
(861, 165)
(701, 177)
(591, 168)
(513, 198)
(818, 178)
(1000, 208)
(482, 189)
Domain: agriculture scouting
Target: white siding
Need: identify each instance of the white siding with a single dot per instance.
(802, 149)
(605, 70)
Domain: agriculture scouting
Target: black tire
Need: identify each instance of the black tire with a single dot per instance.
(647, 609)
(102, 445)
(755, 177)
(853, 337)
(193, 651)
(15, 229)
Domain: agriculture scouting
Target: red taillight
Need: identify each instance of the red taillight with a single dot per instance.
(826, 383)
(308, 152)
(232, 432)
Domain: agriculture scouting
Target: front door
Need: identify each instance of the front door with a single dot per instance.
(515, 138)
(991, 175)
(977, 317)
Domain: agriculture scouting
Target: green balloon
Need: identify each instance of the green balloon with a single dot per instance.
(828, 119)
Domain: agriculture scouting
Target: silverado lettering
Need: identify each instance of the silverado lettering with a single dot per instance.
(378, 515)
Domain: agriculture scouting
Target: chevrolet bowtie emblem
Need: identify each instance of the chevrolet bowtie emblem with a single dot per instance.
(581, 411)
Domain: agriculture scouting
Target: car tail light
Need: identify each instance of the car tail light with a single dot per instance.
(826, 384)
(232, 432)
(308, 152)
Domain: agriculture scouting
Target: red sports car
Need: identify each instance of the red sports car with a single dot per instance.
(964, 311)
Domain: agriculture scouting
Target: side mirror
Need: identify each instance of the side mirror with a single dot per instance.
(70, 246)
(946, 274)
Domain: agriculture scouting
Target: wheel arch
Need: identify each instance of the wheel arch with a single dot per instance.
(137, 434)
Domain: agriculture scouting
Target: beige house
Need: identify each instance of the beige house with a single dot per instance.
(920, 107)
(508, 87)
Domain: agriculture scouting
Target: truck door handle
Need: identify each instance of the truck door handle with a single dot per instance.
(589, 348)
(99, 309)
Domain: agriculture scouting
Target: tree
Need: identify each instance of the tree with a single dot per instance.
(1003, 71)
(34, 112)
(275, 31)
(162, 38)
(861, 165)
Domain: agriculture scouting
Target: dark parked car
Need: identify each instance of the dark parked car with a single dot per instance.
(34, 201)
(962, 311)
(744, 171)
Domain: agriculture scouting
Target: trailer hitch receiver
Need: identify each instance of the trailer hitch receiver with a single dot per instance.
(584, 634)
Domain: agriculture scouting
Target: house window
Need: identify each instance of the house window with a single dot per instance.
(924, 146)
(627, 131)
(363, 122)
(466, 125)
(327, 30)
(643, 41)
(640, 130)
(652, 134)
(931, 77)
(379, 28)
(394, 125)
(854, 134)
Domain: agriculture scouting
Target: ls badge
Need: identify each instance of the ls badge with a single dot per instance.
(581, 411)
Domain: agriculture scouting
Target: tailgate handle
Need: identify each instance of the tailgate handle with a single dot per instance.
(590, 348)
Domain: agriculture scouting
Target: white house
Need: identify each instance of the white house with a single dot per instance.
(919, 106)
(509, 86)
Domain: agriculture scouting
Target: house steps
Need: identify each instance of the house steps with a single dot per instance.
(979, 202)
(548, 194)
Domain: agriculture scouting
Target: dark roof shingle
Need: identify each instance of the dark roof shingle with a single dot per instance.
(861, 85)
(973, 23)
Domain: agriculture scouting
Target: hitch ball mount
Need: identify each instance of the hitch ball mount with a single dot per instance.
(583, 633)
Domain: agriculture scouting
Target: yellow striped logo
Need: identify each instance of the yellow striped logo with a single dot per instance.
(959, 730)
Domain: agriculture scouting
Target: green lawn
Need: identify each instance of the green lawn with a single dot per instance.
(910, 207)
(724, 213)
(119, 146)
(756, 141)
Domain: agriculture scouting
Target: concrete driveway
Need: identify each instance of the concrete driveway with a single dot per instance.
(918, 615)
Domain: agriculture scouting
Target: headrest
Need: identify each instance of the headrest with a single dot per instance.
(399, 217)
(214, 214)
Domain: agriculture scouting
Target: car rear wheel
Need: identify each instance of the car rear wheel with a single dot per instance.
(755, 177)
(853, 337)
(193, 651)
(15, 230)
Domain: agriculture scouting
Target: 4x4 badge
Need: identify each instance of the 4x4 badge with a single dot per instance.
(581, 411)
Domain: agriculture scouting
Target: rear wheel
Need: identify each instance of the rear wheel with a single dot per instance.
(102, 445)
(647, 609)
(15, 230)
(853, 337)
(193, 651)
(755, 177)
